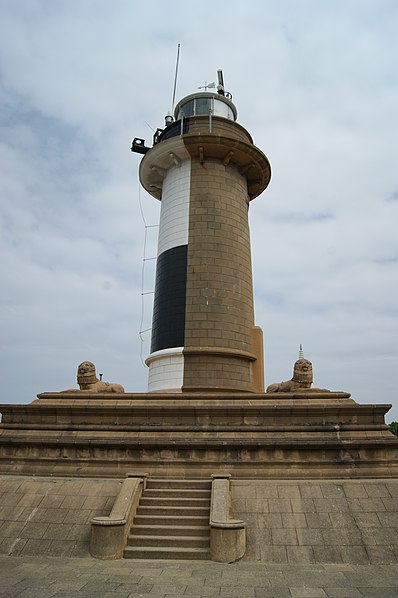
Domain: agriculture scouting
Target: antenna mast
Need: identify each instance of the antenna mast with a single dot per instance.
(175, 78)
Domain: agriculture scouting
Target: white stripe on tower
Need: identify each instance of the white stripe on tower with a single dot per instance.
(174, 212)
(166, 362)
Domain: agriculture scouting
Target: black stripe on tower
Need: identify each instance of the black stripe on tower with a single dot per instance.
(168, 322)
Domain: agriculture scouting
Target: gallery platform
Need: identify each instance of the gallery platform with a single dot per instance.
(262, 436)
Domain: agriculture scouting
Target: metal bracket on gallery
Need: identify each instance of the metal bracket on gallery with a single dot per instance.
(139, 146)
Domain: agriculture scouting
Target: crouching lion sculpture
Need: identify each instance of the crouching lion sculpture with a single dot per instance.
(301, 381)
(88, 381)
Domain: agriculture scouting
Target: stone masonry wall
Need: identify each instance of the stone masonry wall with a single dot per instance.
(352, 521)
(298, 522)
(219, 303)
(51, 516)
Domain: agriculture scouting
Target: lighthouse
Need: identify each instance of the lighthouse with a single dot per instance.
(205, 170)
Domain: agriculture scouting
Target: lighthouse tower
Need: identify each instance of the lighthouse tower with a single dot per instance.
(205, 169)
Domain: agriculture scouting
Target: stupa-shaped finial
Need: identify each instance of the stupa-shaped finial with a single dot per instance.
(301, 352)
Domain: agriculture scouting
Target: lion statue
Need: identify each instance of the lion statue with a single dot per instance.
(88, 381)
(301, 381)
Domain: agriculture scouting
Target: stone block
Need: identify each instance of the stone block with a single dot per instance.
(288, 491)
(393, 488)
(372, 504)
(242, 490)
(10, 500)
(390, 504)
(11, 529)
(284, 537)
(95, 502)
(52, 501)
(30, 500)
(381, 555)
(382, 536)
(376, 490)
(355, 555)
(327, 554)
(354, 505)
(10, 486)
(295, 520)
(310, 537)
(341, 537)
(310, 490)
(13, 546)
(75, 516)
(81, 550)
(269, 520)
(257, 505)
(330, 505)
(261, 537)
(57, 530)
(251, 520)
(52, 515)
(332, 490)
(305, 505)
(12, 513)
(33, 530)
(337, 592)
(79, 533)
(266, 490)
(365, 520)
(343, 520)
(369, 536)
(34, 547)
(355, 490)
(307, 592)
(60, 548)
(300, 554)
(280, 505)
(273, 554)
(238, 505)
(318, 520)
(387, 519)
(77, 502)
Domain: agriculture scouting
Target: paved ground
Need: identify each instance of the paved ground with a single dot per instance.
(45, 577)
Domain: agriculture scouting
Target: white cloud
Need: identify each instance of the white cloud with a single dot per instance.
(314, 84)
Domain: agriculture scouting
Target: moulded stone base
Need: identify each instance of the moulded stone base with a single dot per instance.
(324, 435)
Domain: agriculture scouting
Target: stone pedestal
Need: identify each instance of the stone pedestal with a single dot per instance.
(322, 435)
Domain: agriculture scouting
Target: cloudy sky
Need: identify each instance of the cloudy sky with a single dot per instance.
(316, 84)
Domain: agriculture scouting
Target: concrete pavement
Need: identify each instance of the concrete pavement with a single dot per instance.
(48, 577)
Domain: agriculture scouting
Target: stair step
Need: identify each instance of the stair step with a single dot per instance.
(178, 492)
(159, 552)
(171, 510)
(171, 520)
(170, 541)
(147, 501)
(180, 483)
(161, 530)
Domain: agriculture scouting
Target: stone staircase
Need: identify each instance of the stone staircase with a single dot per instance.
(172, 521)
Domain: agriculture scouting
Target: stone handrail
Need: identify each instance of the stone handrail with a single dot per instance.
(227, 536)
(109, 534)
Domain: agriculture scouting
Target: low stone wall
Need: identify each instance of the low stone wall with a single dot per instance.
(313, 521)
(51, 516)
(299, 521)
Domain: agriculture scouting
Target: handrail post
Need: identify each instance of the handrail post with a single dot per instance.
(227, 536)
(109, 534)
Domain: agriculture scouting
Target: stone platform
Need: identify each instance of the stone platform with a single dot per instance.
(321, 435)
(292, 522)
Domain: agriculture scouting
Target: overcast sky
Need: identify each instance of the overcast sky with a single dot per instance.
(316, 84)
